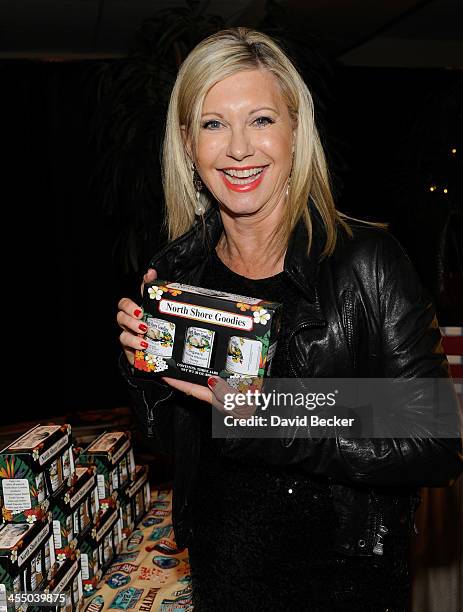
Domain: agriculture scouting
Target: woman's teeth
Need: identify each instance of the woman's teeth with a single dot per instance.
(242, 177)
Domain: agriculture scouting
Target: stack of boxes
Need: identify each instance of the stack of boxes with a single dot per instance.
(124, 497)
(35, 472)
(63, 521)
(111, 455)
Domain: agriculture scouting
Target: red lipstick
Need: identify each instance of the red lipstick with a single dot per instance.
(248, 186)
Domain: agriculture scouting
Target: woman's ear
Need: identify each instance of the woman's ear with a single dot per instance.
(186, 142)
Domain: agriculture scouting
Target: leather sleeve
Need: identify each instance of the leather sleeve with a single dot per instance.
(412, 348)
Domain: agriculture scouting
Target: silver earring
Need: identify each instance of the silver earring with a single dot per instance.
(288, 185)
(198, 185)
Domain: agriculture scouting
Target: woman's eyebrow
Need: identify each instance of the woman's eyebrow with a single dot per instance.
(255, 110)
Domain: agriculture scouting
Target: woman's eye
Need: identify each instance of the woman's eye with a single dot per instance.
(262, 121)
(212, 124)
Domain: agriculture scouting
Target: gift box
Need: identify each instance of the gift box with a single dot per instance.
(194, 333)
(112, 454)
(75, 511)
(135, 500)
(101, 544)
(33, 468)
(27, 555)
(68, 583)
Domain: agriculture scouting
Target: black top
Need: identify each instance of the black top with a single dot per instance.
(262, 534)
(271, 289)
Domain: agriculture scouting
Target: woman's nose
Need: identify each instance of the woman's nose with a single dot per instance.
(239, 145)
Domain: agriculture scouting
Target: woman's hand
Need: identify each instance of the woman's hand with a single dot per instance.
(214, 394)
(128, 319)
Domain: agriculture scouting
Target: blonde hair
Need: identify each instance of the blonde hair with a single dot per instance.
(215, 58)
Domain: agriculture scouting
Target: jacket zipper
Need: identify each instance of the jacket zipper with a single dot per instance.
(380, 529)
(150, 412)
(349, 323)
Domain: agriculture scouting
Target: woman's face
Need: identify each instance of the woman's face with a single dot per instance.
(245, 145)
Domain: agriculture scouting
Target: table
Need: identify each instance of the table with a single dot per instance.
(150, 574)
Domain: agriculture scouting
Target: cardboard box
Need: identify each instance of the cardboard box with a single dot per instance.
(112, 454)
(100, 546)
(68, 582)
(194, 333)
(27, 555)
(75, 511)
(135, 500)
(32, 468)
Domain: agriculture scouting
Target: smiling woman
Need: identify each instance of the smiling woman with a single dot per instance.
(235, 110)
(284, 524)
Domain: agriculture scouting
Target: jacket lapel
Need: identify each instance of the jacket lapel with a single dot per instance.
(303, 271)
(181, 256)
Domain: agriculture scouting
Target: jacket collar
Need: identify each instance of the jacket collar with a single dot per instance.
(191, 249)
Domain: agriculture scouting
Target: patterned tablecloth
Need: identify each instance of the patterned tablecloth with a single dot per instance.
(150, 574)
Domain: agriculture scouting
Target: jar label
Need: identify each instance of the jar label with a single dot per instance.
(243, 356)
(197, 349)
(160, 337)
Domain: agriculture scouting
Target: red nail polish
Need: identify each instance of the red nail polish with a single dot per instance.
(142, 327)
(144, 344)
(211, 382)
(137, 312)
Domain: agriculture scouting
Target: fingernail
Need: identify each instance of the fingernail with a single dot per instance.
(212, 382)
(137, 312)
(142, 327)
(144, 344)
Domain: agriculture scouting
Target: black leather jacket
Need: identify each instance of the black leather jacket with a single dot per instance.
(360, 313)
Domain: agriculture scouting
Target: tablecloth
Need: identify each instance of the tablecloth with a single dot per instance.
(150, 574)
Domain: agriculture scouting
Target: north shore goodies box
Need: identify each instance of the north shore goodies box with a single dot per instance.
(100, 546)
(32, 469)
(194, 333)
(112, 454)
(27, 555)
(67, 582)
(75, 511)
(135, 500)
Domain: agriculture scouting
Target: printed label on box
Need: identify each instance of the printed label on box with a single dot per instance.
(57, 446)
(206, 314)
(52, 551)
(16, 494)
(11, 534)
(57, 534)
(105, 443)
(160, 337)
(198, 345)
(101, 486)
(84, 564)
(33, 438)
(33, 545)
(40, 484)
(67, 463)
(115, 479)
(243, 356)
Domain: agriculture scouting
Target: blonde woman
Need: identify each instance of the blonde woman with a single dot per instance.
(317, 524)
